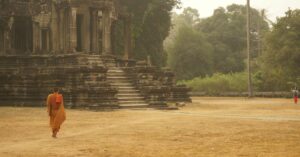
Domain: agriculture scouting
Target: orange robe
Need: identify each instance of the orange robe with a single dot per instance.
(56, 111)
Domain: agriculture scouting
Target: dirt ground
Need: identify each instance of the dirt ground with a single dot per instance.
(221, 127)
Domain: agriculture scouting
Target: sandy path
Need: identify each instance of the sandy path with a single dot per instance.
(208, 127)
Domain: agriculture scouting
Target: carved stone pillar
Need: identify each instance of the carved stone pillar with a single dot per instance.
(5, 41)
(106, 32)
(35, 38)
(127, 38)
(73, 29)
(61, 30)
(94, 31)
(8, 35)
(54, 30)
(100, 32)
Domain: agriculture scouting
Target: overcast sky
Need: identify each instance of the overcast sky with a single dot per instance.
(275, 8)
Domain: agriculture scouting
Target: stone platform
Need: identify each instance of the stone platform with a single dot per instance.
(29, 79)
(87, 81)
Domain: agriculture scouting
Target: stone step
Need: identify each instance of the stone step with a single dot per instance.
(121, 84)
(115, 71)
(134, 106)
(133, 98)
(128, 102)
(125, 101)
(120, 87)
(115, 68)
(129, 94)
(120, 79)
(126, 88)
(123, 81)
(117, 77)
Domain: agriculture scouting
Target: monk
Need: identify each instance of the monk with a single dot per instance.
(56, 111)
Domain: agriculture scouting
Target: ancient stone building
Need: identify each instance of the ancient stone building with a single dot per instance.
(68, 43)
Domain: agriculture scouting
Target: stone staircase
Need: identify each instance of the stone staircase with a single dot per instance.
(128, 95)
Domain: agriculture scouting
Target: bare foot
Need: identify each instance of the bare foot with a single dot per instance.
(54, 135)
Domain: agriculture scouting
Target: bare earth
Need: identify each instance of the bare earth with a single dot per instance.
(208, 127)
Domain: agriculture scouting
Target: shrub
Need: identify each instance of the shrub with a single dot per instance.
(219, 83)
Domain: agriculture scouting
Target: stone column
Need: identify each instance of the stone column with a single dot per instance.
(5, 43)
(100, 32)
(8, 36)
(61, 30)
(94, 32)
(86, 32)
(106, 32)
(54, 30)
(35, 41)
(73, 29)
(127, 38)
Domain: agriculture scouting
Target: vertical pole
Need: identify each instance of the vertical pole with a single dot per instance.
(260, 32)
(250, 91)
(259, 36)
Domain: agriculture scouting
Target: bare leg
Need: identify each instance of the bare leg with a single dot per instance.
(54, 133)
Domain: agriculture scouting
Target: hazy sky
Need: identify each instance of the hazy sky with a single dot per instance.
(275, 8)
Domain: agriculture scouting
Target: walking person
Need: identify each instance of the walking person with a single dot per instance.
(56, 111)
(295, 94)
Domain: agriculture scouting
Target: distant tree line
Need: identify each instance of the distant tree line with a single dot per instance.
(214, 47)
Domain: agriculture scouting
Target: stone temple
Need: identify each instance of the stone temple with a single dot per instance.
(68, 44)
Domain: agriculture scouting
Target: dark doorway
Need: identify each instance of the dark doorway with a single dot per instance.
(45, 39)
(22, 34)
(79, 20)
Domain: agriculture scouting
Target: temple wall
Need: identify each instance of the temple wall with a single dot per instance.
(29, 79)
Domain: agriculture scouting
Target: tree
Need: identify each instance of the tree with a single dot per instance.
(226, 31)
(281, 57)
(189, 54)
(151, 21)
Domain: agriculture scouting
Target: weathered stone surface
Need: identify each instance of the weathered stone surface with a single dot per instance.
(158, 86)
(29, 79)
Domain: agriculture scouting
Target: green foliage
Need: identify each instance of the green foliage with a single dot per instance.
(226, 31)
(189, 54)
(151, 21)
(190, 51)
(281, 58)
(217, 44)
(219, 83)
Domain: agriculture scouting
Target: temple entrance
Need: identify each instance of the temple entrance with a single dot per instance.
(79, 20)
(22, 35)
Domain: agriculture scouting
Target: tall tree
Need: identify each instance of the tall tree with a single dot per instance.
(151, 24)
(226, 31)
(281, 57)
(189, 54)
